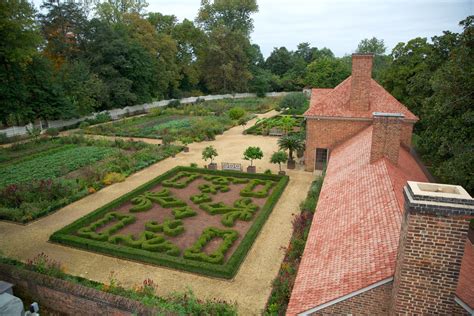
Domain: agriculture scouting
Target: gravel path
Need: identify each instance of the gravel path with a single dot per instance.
(251, 286)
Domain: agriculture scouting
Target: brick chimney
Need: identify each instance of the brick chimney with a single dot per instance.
(433, 234)
(386, 133)
(361, 76)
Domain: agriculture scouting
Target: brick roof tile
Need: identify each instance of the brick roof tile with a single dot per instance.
(353, 240)
(335, 102)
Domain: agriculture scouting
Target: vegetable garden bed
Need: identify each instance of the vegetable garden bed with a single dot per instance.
(197, 220)
(41, 176)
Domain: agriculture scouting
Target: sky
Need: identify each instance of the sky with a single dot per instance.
(338, 24)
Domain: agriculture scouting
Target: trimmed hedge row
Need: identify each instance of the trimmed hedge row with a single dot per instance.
(248, 191)
(227, 270)
(196, 251)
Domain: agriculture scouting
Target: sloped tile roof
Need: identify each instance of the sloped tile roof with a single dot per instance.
(335, 102)
(465, 289)
(353, 241)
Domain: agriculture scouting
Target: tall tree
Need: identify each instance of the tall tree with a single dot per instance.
(373, 46)
(63, 27)
(280, 61)
(326, 72)
(235, 15)
(112, 11)
(448, 138)
(20, 39)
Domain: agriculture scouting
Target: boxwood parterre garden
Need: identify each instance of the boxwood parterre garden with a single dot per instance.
(41, 176)
(198, 220)
(194, 122)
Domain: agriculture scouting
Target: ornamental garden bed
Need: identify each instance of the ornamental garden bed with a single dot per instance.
(197, 220)
(39, 177)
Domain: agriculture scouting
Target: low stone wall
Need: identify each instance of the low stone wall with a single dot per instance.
(69, 298)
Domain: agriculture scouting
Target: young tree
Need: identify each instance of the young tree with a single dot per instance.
(209, 153)
(279, 157)
(253, 153)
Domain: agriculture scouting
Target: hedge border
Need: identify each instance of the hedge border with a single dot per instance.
(226, 271)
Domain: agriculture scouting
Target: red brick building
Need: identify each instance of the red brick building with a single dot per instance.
(383, 240)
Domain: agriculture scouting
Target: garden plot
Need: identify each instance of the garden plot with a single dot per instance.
(191, 219)
(42, 176)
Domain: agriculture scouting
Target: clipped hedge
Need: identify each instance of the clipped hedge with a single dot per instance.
(226, 270)
(196, 252)
(248, 191)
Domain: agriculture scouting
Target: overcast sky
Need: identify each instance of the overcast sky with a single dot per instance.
(338, 24)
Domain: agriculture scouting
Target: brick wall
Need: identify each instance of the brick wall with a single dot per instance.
(68, 298)
(386, 133)
(328, 134)
(428, 264)
(361, 77)
(373, 302)
(406, 134)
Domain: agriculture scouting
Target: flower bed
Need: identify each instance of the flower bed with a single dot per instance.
(180, 226)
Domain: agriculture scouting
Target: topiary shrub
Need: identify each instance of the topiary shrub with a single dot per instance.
(183, 212)
(213, 188)
(163, 198)
(236, 113)
(181, 180)
(169, 227)
(248, 191)
(195, 252)
(90, 230)
(200, 198)
(147, 241)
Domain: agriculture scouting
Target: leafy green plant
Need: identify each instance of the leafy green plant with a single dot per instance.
(236, 113)
(279, 157)
(253, 153)
(291, 143)
(209, 153)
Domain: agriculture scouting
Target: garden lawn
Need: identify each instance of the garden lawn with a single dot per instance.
(198, 220)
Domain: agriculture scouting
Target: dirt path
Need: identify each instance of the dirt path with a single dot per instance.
(251, 286)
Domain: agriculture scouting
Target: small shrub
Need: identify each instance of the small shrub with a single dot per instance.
(253, 153)
(52, 132)
(193, 165)
(45, 265)
(209, 153)
(84, 125)
(113, 177)
(268, 171)
(174, 104)
(236, 113)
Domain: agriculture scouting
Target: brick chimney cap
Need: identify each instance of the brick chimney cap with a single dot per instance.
(384, 114)
(371, 55)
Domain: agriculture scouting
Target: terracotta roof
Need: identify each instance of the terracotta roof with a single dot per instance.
(335, 102)
(353, 240)
(465, 289)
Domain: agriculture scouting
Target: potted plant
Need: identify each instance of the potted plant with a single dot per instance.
(279, 157)
(252, 153)
(210, 153)
(186, 141)
(291, 143)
